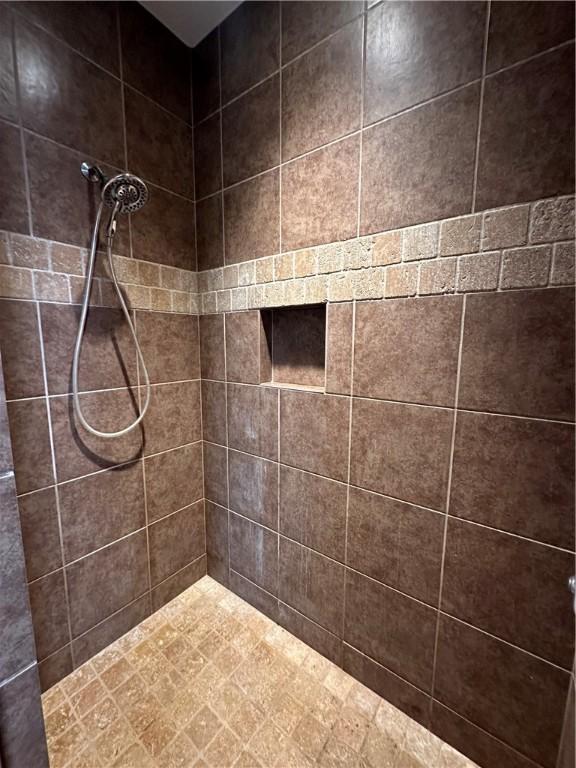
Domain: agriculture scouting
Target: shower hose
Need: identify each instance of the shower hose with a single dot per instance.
(111, 231)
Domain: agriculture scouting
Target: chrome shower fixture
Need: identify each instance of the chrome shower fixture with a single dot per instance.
(125, 190)
(123, 193)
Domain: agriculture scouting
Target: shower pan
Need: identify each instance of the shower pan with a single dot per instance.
(124, 193)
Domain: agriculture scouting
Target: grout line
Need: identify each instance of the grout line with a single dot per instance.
(447, 508)
(125, 388)
(362, 87)
(22, 671)
(143, 477)
(20, 122)
(280, 135)
(55, 476)
(349, 473)
(480, 107)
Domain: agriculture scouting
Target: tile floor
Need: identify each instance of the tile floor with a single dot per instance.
(209, 682)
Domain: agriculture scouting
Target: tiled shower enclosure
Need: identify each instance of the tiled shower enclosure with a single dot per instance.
(353, 285)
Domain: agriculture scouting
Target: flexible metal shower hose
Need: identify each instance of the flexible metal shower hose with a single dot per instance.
(82, 325)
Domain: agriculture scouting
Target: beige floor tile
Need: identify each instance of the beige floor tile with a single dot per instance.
(223, 749)
(209, 682)
(203, 727)
(310, 736)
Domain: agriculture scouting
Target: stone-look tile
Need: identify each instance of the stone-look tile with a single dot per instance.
(243, 339)
(552, 220)
(401, 281)
(108, 355)
(401, 450)
(6, 464)
(476, 743)
(169, 345)
(392, 688)
(99, 509)
(316, 637)
(526, 146)
(437, 277)
(512, 588)
(106, 581)
(254, 488)
(49, 613)
(518, 32)
(16, 639)
(314, 432)
(77, 452)
(339, 348)
(394, 630)
(526, 267)
(67, 115)
(55, 668)
(8, 101)
(51, 287)
(212, 360)
(408, 350)
(420, 243)
(460, 235)
(518, 354)
(16, 283)
(207, 161)
(86, 28)
(40, 532)
(68, 217)
(253, 420)
(13, 204)
(313, 511)
(109, 630)
(174, 416)
(484, 679)
(165, 232)
(159, 145)
(563, 264)
(254, 553)
(206, 76)
(252, 218)
(398, 76)
(155, 61)
(500, 479)
(320, 196)
(214, 412)
(216, 473)
(298, 343)
(306, 580)
(217, 541)
(173, 480)
(30, 438)
(405, 161)
(21, 721)
(396, 543)
(321, 93)
(177, 583)
(209, 233)
(305, 25)
(387, 249)
(478, 272)
(249, 44)
(176, 540)
(21, 354)
(251, 132)
(505, 228)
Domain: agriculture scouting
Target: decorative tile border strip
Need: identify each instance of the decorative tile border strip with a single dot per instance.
(32, 268)
(530, 245)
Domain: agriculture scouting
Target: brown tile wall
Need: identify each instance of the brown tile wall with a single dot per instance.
(21, 723)
(419, 531)
(314, 123)
(414, 522)
(111, 529)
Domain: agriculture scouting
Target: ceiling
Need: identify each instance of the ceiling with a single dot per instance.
(191, 20)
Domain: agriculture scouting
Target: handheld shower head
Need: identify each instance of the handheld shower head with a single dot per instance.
(125, 192)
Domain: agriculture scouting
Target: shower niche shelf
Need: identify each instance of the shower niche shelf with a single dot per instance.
(295, 347)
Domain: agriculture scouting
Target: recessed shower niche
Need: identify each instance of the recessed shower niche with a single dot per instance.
(295, 346)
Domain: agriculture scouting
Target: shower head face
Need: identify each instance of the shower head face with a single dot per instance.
(127, 190)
